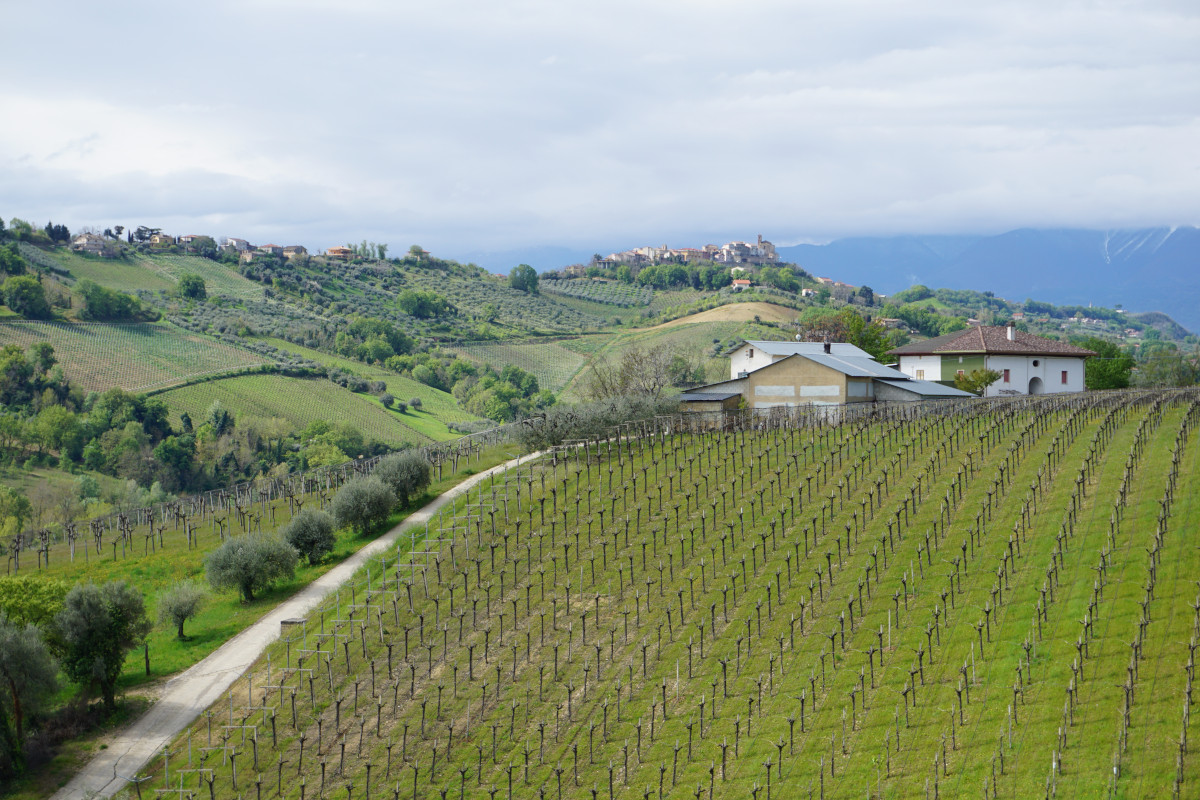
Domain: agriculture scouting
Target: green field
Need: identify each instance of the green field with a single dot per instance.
(133, 356)
(219, 279)
(300, 401)
(439, 407)
(801, 606)
(125, 275)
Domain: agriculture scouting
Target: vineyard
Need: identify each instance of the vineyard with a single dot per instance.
(552, 363)
(220, 279)
(959, 601)
(298, 400)
(606, 292)
(133, 356)
(437, 407)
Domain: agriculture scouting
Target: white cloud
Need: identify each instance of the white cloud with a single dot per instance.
(467, 124)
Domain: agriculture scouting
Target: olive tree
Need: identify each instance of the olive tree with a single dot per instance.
(27, 680)
(363, 504)
(311, 533)
(250, 564)
(179, 603)
(406, 473)
(97, 626)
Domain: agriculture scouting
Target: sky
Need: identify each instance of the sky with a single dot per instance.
(473, 127)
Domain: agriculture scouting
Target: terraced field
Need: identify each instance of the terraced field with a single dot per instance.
(981, 599)
(298, 400)
(133, 356)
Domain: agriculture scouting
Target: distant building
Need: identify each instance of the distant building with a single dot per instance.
(293, 250)
(1027, 364)
(339, 252)
(240, 245)
(741, 284)
(270, 249)
(93, 244)
(162, 239)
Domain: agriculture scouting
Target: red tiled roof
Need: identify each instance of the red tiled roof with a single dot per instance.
(990, 339)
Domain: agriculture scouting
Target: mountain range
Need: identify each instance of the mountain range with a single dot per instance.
(1147, 269)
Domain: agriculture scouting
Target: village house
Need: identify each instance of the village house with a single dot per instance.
(293, 250)
(271, 249)
(766, 375)
(741, 284)
(162, 239)
(94, 245)
(1027, 364)
(339, 251)
(237, 244)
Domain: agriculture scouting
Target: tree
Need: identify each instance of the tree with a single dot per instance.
(639, 372)
(362, 504)
(311, 533)
(192, 286)
(27, 681)
(524, 278)
(406, 473)
(1110, 368)
(250, 564)
(97, 626)
(25, 295)
(976, 381)
(180, 602)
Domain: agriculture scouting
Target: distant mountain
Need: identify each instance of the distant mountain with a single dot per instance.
(1151, 269)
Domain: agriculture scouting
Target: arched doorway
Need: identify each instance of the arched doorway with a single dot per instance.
(1035, 385)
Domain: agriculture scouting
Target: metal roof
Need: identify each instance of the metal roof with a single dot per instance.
(855, 367)
(842, 349)
(712, 397)
(926, 388)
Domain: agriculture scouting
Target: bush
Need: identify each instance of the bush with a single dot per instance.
(179, 603)
(28, 674)
(387, 400)
(250, 564)
(363, 504)
(97, 626)
(406, 473)
(415, 403)
(311, 533)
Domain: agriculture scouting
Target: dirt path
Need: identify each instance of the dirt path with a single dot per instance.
(189, 693)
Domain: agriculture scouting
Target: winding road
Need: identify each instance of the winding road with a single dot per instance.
(186, 695)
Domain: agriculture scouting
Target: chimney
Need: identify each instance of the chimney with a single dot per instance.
(1012, 334)
(828, 348)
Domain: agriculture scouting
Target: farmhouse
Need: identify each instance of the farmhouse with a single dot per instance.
(339, 251)
(765, 375)
(1027, 364)
(94, 245)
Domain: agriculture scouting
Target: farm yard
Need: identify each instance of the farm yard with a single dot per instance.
(958, 601)
(299, 401)
(133, 356)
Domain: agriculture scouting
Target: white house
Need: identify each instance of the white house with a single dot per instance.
(1027, 364)
(751, 355)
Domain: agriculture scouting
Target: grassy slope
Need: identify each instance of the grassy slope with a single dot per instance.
(852, 734)
(301, 401)
(134, 356)
(439, 407)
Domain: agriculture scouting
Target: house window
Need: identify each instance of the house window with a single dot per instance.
(1006, 375)
(750, 353)
(1064, 377)
(920, 374)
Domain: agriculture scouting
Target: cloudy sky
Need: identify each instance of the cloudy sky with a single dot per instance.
(483, 125)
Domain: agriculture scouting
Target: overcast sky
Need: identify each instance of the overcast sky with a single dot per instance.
(468, 125)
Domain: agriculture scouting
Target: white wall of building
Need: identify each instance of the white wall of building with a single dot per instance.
(748, 358)
(1023, 369)
(929, 366)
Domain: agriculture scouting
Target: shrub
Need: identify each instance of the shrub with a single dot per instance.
(415, 403)
(311, 534)
(406, 473)
(97, 626)
(27, 675)
(387, 400)
(250, 564)
(179, 603)
(363, 504)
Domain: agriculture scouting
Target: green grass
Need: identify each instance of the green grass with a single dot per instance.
(219, 278)
(301, 401)
(437, 407)
(133, 356)
(223, 616)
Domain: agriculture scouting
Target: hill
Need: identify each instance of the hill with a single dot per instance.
(1151, 269)
(859, 610)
